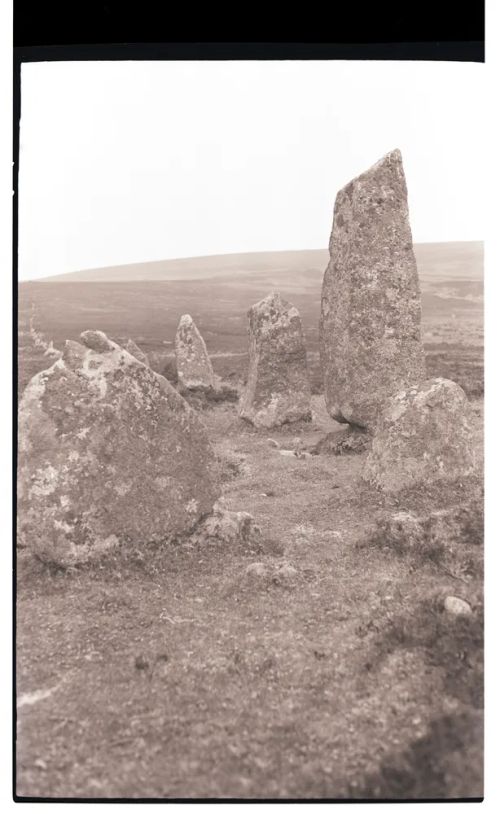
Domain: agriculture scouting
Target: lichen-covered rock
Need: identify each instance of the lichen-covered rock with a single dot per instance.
(108, 453)
(370, 339)
(424, 434)
(194, 368)
(277, 389)
(135, 350)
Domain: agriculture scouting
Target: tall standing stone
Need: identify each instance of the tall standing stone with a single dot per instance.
(131, 347)
(277, 389)
(370, 340)
(108, 453)
(424, 435)
(194, 368)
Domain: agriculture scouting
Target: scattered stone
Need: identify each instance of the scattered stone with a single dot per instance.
(349, 442)
(257, 569)
(135, 350)
(424, 435)
(194, 368)
(370, 340)
(286, 572)
(277, 389)
(109, 453)
(229, 527)
(456, 606)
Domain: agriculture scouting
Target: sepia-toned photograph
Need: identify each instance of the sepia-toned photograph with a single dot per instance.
(249, 548)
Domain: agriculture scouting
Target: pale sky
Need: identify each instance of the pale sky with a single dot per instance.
(124, 162)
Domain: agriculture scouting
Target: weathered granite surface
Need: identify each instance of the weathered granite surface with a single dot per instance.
(131, 347)
(277, 389)
(424, 434)
(108, 453)
(194, 368)
(370, 340)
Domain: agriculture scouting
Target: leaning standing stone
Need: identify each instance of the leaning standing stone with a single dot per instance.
(277, 389)
(424, 435)
(108, 453)
(135, 350)
(370, 340)
(194, 368)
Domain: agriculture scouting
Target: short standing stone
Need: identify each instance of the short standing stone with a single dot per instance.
(135, 350)
(194, 368)
(424, 435)
(277, 389)
(108, 453)
(370, 340)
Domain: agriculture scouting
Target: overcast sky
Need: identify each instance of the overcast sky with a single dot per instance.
(124, 162)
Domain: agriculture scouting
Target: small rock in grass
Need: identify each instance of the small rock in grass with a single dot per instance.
(228, 527)
(256, 569)
(286, 572)
(456, 606)
(348, 442)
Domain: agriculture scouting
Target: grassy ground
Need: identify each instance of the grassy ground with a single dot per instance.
(175, 673)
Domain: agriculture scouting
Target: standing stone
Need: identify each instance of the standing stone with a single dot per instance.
(370, 341)
(108, 453)
(194, 368)
(277, 389)
(424, 435)
(135, 350)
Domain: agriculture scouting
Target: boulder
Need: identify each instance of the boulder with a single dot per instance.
(277, 389)
(424, 435)
(370, 338)
(135, 350)
(108, 453)
(194, 368)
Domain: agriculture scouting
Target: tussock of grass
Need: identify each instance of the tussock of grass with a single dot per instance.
(449, 539)
(446, 763)
(452, 643)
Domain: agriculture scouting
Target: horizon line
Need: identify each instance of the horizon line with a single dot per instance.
(208, 256)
